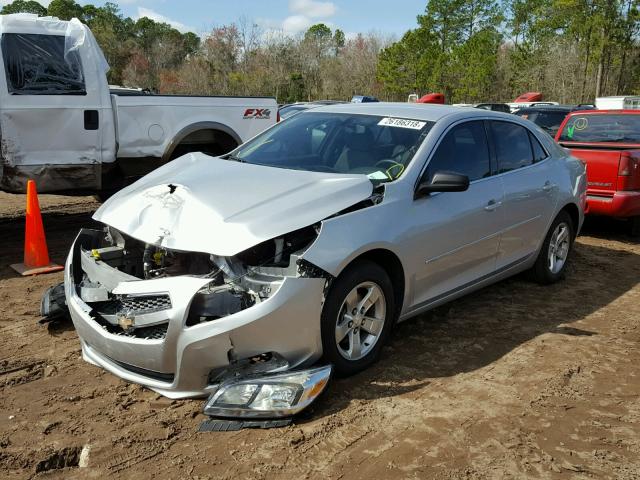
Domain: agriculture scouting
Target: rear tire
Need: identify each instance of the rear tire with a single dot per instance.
(552, 260)
(357, 317)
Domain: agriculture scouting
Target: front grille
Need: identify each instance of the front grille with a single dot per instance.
(133, 305)
(154, 332)
(105, 314)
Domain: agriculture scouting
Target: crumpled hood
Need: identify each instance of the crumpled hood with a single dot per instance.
(204, 204)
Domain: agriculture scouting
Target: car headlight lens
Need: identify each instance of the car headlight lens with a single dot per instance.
(238, 394)
(268, 396)
(273, 396)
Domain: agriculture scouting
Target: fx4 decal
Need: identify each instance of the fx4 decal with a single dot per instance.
(261, 113)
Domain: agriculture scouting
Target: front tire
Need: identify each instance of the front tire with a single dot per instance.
(357, 317)
(552, 260)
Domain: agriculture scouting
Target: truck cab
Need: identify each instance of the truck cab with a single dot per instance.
(55, 108)
(62, 125)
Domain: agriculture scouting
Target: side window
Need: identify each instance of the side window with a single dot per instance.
(37, 65)
(538, 152)
(513, 147)
(463, 150)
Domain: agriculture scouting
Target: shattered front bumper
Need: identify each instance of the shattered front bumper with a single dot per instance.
(182, 361)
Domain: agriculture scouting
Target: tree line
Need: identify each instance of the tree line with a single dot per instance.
(571, 50)
(470, 50)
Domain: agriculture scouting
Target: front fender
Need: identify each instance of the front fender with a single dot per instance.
(344, 238)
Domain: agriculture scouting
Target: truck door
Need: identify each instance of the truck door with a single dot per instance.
(55, 113)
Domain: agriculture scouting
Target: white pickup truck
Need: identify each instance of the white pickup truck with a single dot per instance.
(61, 125)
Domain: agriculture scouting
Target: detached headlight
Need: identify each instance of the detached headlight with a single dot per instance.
(277, 395)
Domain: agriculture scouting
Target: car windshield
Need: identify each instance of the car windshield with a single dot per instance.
(290, 110)
(377, 146)
(616, 128)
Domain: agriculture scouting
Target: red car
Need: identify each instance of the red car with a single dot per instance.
(608, 141)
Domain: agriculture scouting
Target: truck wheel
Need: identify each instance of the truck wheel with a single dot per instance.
(554, 254)
(634, 226)
(357, 317)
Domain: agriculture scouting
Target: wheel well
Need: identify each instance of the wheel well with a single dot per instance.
(574, 213)
(210, 141)
(392, 265)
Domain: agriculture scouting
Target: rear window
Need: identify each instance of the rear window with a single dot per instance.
(538, 152)
(549, 121)
(37, 65)
(616, 128)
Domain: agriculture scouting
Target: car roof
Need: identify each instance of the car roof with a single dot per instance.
(422, 111)
(554, 108)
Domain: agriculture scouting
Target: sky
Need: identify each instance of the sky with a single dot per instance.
(387, 17)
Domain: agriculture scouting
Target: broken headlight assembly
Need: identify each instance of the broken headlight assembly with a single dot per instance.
(268, 396)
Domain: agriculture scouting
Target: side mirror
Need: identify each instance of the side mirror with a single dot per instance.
(443, 182)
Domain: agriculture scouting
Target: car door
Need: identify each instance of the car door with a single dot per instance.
(55, 110)
(530, 192)
(456, 233)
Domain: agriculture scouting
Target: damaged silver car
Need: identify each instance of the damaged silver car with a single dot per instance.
(232, 276)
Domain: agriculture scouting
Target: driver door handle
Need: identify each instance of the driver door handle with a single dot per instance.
(492, 205)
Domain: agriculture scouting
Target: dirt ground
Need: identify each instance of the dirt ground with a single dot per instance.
(514, 381)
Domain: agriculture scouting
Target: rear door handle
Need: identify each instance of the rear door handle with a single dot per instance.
(492, 205)
(548, 186)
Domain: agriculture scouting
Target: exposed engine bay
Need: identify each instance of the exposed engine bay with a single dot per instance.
(182, 285)
(236, 283)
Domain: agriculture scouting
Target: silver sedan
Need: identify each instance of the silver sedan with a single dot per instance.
(312, 239)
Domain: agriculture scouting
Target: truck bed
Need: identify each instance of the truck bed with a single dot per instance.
(147, 125)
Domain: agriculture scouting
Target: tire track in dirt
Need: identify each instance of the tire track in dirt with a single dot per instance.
(514, 381)
(17, 372)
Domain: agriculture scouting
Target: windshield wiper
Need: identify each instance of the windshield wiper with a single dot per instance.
(235, 159)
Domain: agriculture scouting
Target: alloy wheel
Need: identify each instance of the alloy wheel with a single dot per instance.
(559, 247)
(360, 320)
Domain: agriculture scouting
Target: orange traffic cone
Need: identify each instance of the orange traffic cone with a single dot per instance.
(36, 256)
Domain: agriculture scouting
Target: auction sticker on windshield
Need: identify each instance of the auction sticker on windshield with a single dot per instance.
(402, 123)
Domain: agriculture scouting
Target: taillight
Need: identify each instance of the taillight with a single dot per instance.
(628, 172)
(278, 117)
